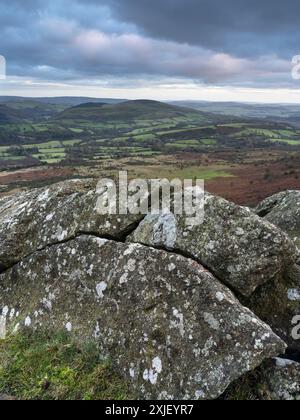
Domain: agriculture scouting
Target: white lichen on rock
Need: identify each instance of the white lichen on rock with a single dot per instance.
(162, 327)
(170, 323)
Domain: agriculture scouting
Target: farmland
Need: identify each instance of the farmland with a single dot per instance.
(149, 139)
(69, 141)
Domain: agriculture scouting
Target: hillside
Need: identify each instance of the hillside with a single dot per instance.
(42, 109)
(65, 101)
(277, 112)
(10, 116)
(126, 111)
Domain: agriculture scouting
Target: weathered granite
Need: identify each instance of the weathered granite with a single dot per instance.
(241, 249)
(168, 325)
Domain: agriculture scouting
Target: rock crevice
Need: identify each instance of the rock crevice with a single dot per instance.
(170, 327)
(182, 312)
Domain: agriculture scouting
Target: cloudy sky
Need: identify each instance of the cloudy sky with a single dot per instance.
(159, 49)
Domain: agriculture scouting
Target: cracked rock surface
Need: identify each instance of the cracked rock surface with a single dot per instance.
(283, 210)
(170, 327)
(240, 248)
(153, 292)
(278, 302)
(41, 217)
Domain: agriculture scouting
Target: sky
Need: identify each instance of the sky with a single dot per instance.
(230, 50)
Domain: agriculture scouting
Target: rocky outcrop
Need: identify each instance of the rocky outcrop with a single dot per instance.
(241, 249)
(166, 322)
(153, 292)
(278, 302)
(33, 220)
(283, 210)
(275, 380)
(280, 380)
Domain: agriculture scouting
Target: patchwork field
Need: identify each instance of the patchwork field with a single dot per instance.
(241, 159)
(35, 147)
(94, 132)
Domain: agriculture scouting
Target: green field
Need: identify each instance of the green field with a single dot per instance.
(287, 141)
(93, 132)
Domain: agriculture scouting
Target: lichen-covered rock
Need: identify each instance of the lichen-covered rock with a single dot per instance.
(278, 303)
(275, 380)
(240, 248)
(283, 210)
(166, 323)
(280, 380)
(33, 220)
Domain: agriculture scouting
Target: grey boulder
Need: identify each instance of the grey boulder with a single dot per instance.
(276, 379)
(283, 210)
(168, 325)
(278, 302)
(33, 220)
(280, 380)
(241, 249)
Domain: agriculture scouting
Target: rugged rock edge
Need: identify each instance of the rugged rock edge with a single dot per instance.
(39, 227)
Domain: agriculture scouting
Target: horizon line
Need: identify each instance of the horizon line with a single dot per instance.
(147, 99)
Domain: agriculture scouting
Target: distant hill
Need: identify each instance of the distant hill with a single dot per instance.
(245, 110)
(130, 110)
(10, 116)
(45, 108)
(42, 109)
(60, 100)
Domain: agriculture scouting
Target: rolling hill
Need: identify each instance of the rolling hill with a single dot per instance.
(285, 112)
(20, 109)
(66, 101)
(125, 111)
(11, 116)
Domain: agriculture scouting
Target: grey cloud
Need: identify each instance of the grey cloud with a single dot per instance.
(234, 26)
(234, 41)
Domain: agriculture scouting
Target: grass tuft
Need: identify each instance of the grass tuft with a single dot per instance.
(43, 366)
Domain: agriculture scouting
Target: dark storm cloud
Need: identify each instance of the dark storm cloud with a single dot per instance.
(239, 42)
(234, 26)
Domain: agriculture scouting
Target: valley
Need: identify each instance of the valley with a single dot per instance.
(244, 158)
